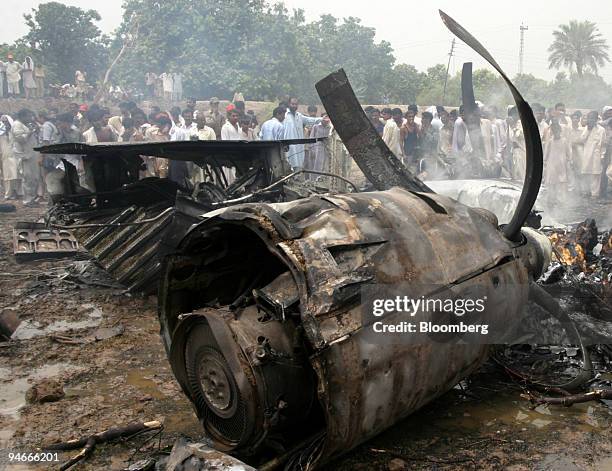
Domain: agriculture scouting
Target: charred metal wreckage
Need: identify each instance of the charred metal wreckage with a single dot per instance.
(260, 281)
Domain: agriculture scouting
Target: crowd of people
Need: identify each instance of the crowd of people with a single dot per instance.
(33, 176)
(27, 80)
(435, 144)
(443, 144)
(14, 75)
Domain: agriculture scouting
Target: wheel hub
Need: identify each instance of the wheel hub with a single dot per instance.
(214, 383)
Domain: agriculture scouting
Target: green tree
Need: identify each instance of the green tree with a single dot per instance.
(404, 84)
(578, 45)
(532, 88)
(67, 40)
(351, 45)
(432, 90)
(588, 91)
(490, 88)
(261, 49)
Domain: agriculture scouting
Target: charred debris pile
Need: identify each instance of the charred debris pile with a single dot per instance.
(577, 367)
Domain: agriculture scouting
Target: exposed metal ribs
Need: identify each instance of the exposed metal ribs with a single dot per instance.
(131, 254)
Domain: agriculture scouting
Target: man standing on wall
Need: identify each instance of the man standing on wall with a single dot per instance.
(13, 70)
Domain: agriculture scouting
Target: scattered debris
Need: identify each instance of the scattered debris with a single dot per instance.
(14, 387)
(33, 240)
(88, 444)
(102, 333)
(586, 257)
(567, 399)
(92, 317)
(142, 465)
(47, 390)
(187, 456)
(9, 321)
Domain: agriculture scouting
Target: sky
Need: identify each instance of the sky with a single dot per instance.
(414, 28)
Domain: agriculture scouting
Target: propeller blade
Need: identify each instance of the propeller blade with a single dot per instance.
(471, 113)
(467, 89)
(533, 144)
(380, 166)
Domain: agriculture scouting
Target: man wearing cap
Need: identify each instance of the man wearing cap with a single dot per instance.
(214, 119)
(12, 76)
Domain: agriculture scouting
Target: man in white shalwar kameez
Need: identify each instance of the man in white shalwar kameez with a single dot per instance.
(293, 128)
(557, 155)
(230, 131)
(488, 160)
(320, 158)
(575, 138)
(539, 112)
(462, 148)
(27, 75)
(594, 140)
(517, 141)
(10, 165)
(392, 135)
(13, 76)
(167, 85)
(25, 138)
(500, 135)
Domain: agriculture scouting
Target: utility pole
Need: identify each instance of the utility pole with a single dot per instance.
(522, 48)
(450, 56)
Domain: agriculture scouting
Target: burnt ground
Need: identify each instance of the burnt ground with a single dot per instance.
(482, 424)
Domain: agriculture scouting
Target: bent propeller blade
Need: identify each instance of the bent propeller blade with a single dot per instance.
(533, 144)
(380, 166)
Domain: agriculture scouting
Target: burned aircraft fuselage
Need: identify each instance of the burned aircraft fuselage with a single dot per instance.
(288, 331)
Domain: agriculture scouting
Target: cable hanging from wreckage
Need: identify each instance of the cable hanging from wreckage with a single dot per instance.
(259, 303)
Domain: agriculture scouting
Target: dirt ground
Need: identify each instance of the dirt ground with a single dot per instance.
(481, 424)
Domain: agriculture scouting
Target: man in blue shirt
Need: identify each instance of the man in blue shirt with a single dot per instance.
(272, 130)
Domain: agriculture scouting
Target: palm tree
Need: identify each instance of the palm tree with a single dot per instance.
(578, 44)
